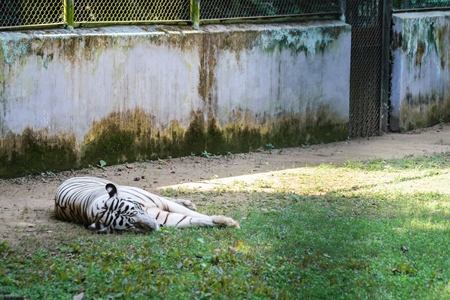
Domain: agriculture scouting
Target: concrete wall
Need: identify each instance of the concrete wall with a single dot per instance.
(420, 94)
(71, 98)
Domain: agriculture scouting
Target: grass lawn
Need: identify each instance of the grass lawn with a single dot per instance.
(374, 230)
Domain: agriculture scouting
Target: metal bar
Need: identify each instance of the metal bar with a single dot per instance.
(264, 20)
(421, 9)
(276, 16)
(385, 67)
(26, 27)
(342, 4)
(69, 12)
(112, 23)
(195, 13)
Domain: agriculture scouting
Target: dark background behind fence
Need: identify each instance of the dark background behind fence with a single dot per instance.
(370, 20)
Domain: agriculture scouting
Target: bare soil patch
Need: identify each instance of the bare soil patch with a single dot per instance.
(26, 203)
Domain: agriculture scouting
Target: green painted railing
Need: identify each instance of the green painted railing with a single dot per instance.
(69, 13)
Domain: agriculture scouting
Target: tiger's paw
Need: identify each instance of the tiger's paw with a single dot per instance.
(225, 221)
(98, 227)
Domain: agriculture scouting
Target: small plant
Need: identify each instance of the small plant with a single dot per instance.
(101, 164)
(48, 173)
(305, 145)
(161, 161)
(206, 154)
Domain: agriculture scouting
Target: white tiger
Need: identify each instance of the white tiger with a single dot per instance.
(104, 206)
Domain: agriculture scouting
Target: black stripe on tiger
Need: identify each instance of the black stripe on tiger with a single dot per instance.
(184, 217)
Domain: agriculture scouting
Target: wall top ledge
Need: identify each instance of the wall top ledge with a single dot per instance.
(152, 30)
(424, 14)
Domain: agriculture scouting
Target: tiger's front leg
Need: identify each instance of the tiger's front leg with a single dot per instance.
(179, 220)
(186, 203)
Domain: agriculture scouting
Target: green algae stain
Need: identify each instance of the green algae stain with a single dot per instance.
(311, 40)
(133, 136)
(116, 138)
(422, 112)
(33, 152)
(421, 37)
(47, 60)
(14, 49)
(420, 51)
(214, 141)
(195, 135)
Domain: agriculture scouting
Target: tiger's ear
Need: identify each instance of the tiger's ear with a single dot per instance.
(112, 190)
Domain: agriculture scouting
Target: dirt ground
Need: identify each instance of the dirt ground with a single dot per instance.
(26, 204)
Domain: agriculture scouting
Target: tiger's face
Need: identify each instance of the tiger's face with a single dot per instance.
(122, 214)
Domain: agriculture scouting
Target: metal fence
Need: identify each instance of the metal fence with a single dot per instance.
(411, 5)
(119, 11)
(20, 13)
(48, 13)
(366, 20)
(226, 9)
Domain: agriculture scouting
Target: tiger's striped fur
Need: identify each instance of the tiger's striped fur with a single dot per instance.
(104, 206)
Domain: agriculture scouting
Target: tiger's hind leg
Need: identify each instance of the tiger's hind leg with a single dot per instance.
(186, 203)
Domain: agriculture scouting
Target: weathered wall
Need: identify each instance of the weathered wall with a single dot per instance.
(420, 94)
(71, 98)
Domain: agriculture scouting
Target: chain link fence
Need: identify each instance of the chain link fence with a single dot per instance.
(229, 9)
(22, 13)
(15, 13)
(130, 11)
(365, 67)
(407, 5)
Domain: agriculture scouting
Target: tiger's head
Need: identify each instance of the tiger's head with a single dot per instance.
(122, 214)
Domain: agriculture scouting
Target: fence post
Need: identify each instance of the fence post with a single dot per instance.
(195, 12)
(342, 7)
(69, 13)
(385, 67)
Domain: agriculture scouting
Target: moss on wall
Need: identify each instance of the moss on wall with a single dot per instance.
(422, 36)
(421, 113)
(35, 151)
(311, 41)
(131, 136)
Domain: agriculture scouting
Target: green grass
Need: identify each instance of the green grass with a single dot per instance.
(374, 230)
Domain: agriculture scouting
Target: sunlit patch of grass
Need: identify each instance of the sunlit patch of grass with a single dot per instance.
(436, 161)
